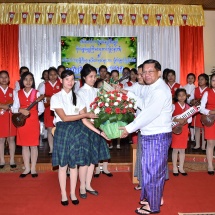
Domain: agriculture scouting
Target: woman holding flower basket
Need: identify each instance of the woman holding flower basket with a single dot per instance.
(99, 148)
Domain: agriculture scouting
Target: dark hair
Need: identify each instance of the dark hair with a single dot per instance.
(134, 71)
(22, 68)
(165, 71)
(4, 72)
(52, 69)
(97, 82)
(179, 90)
(23, 76)
(86, 70)
(157, 64)
(44, 73)
(114, 71)
(211, 76)
(108, 73)
(65, 74)
(206, 77)
(126, 68)
(191, 74)
(102, 67)
(170, 71)
(61, 66)
(140, 66)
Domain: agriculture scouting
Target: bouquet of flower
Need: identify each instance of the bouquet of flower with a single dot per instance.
(114, 110)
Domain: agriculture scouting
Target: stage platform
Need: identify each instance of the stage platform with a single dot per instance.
(121, 160)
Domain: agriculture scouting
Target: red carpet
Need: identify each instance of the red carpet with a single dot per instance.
(41, 196)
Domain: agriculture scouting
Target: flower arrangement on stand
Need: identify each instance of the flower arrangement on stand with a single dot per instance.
(114, 110)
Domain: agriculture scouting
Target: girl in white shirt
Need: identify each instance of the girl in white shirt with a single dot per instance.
(100, 149)
(71, 138)
(190, 89)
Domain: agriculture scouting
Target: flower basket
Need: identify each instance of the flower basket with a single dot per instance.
(114, 110)
(112, 129)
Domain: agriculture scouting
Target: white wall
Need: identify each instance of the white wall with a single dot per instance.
(209, 41)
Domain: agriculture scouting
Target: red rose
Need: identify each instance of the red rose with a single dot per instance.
(111, 98)
(118, 95)
(124, 110)
(117, 110)
(108, 110)
(118, 101)
(96, 99)
(124, 97)
(111, 104)
(102, 104)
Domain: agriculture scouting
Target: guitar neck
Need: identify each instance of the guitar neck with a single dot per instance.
(31, 105)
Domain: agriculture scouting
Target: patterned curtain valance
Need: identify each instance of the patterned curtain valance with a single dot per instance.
(102, 14)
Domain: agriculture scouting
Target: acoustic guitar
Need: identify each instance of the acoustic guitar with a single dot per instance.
(19, 119)
(208, 120)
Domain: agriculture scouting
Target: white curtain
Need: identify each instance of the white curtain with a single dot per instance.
(39, 45)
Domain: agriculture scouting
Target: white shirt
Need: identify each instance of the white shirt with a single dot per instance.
(156, 114)
(63, 100)
(77, 86)
(189, 120)
(87, 94)
(204, 101)
(135, 91)
(124, 81)
(190, 89)
(17, 86)
(16, 103)
(40, 86)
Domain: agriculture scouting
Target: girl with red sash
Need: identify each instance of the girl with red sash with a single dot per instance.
(28, 135)
(50, 88)
(179, 141)
(132, 78)
(171, 81)
(203, 82)
(208, 108)
(8, 130)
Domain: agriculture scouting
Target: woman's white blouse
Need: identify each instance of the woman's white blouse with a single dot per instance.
(63, 100)
(87, 94)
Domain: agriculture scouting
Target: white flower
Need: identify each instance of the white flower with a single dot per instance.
(97, 110)
(130, 105)
(119, 99)
(106, 104)
(107, 99)
(105, 95)
(126, 106)
(115, 103)
(112, 95)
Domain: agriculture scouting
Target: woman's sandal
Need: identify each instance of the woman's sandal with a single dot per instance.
(142, 210)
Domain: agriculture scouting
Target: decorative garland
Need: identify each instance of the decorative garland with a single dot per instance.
(102, 14)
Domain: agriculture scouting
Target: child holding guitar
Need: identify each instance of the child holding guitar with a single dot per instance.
(48, 89)
(203, 82)
(208, 108)
(179, 141)
(28, 135)
(8, 130)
